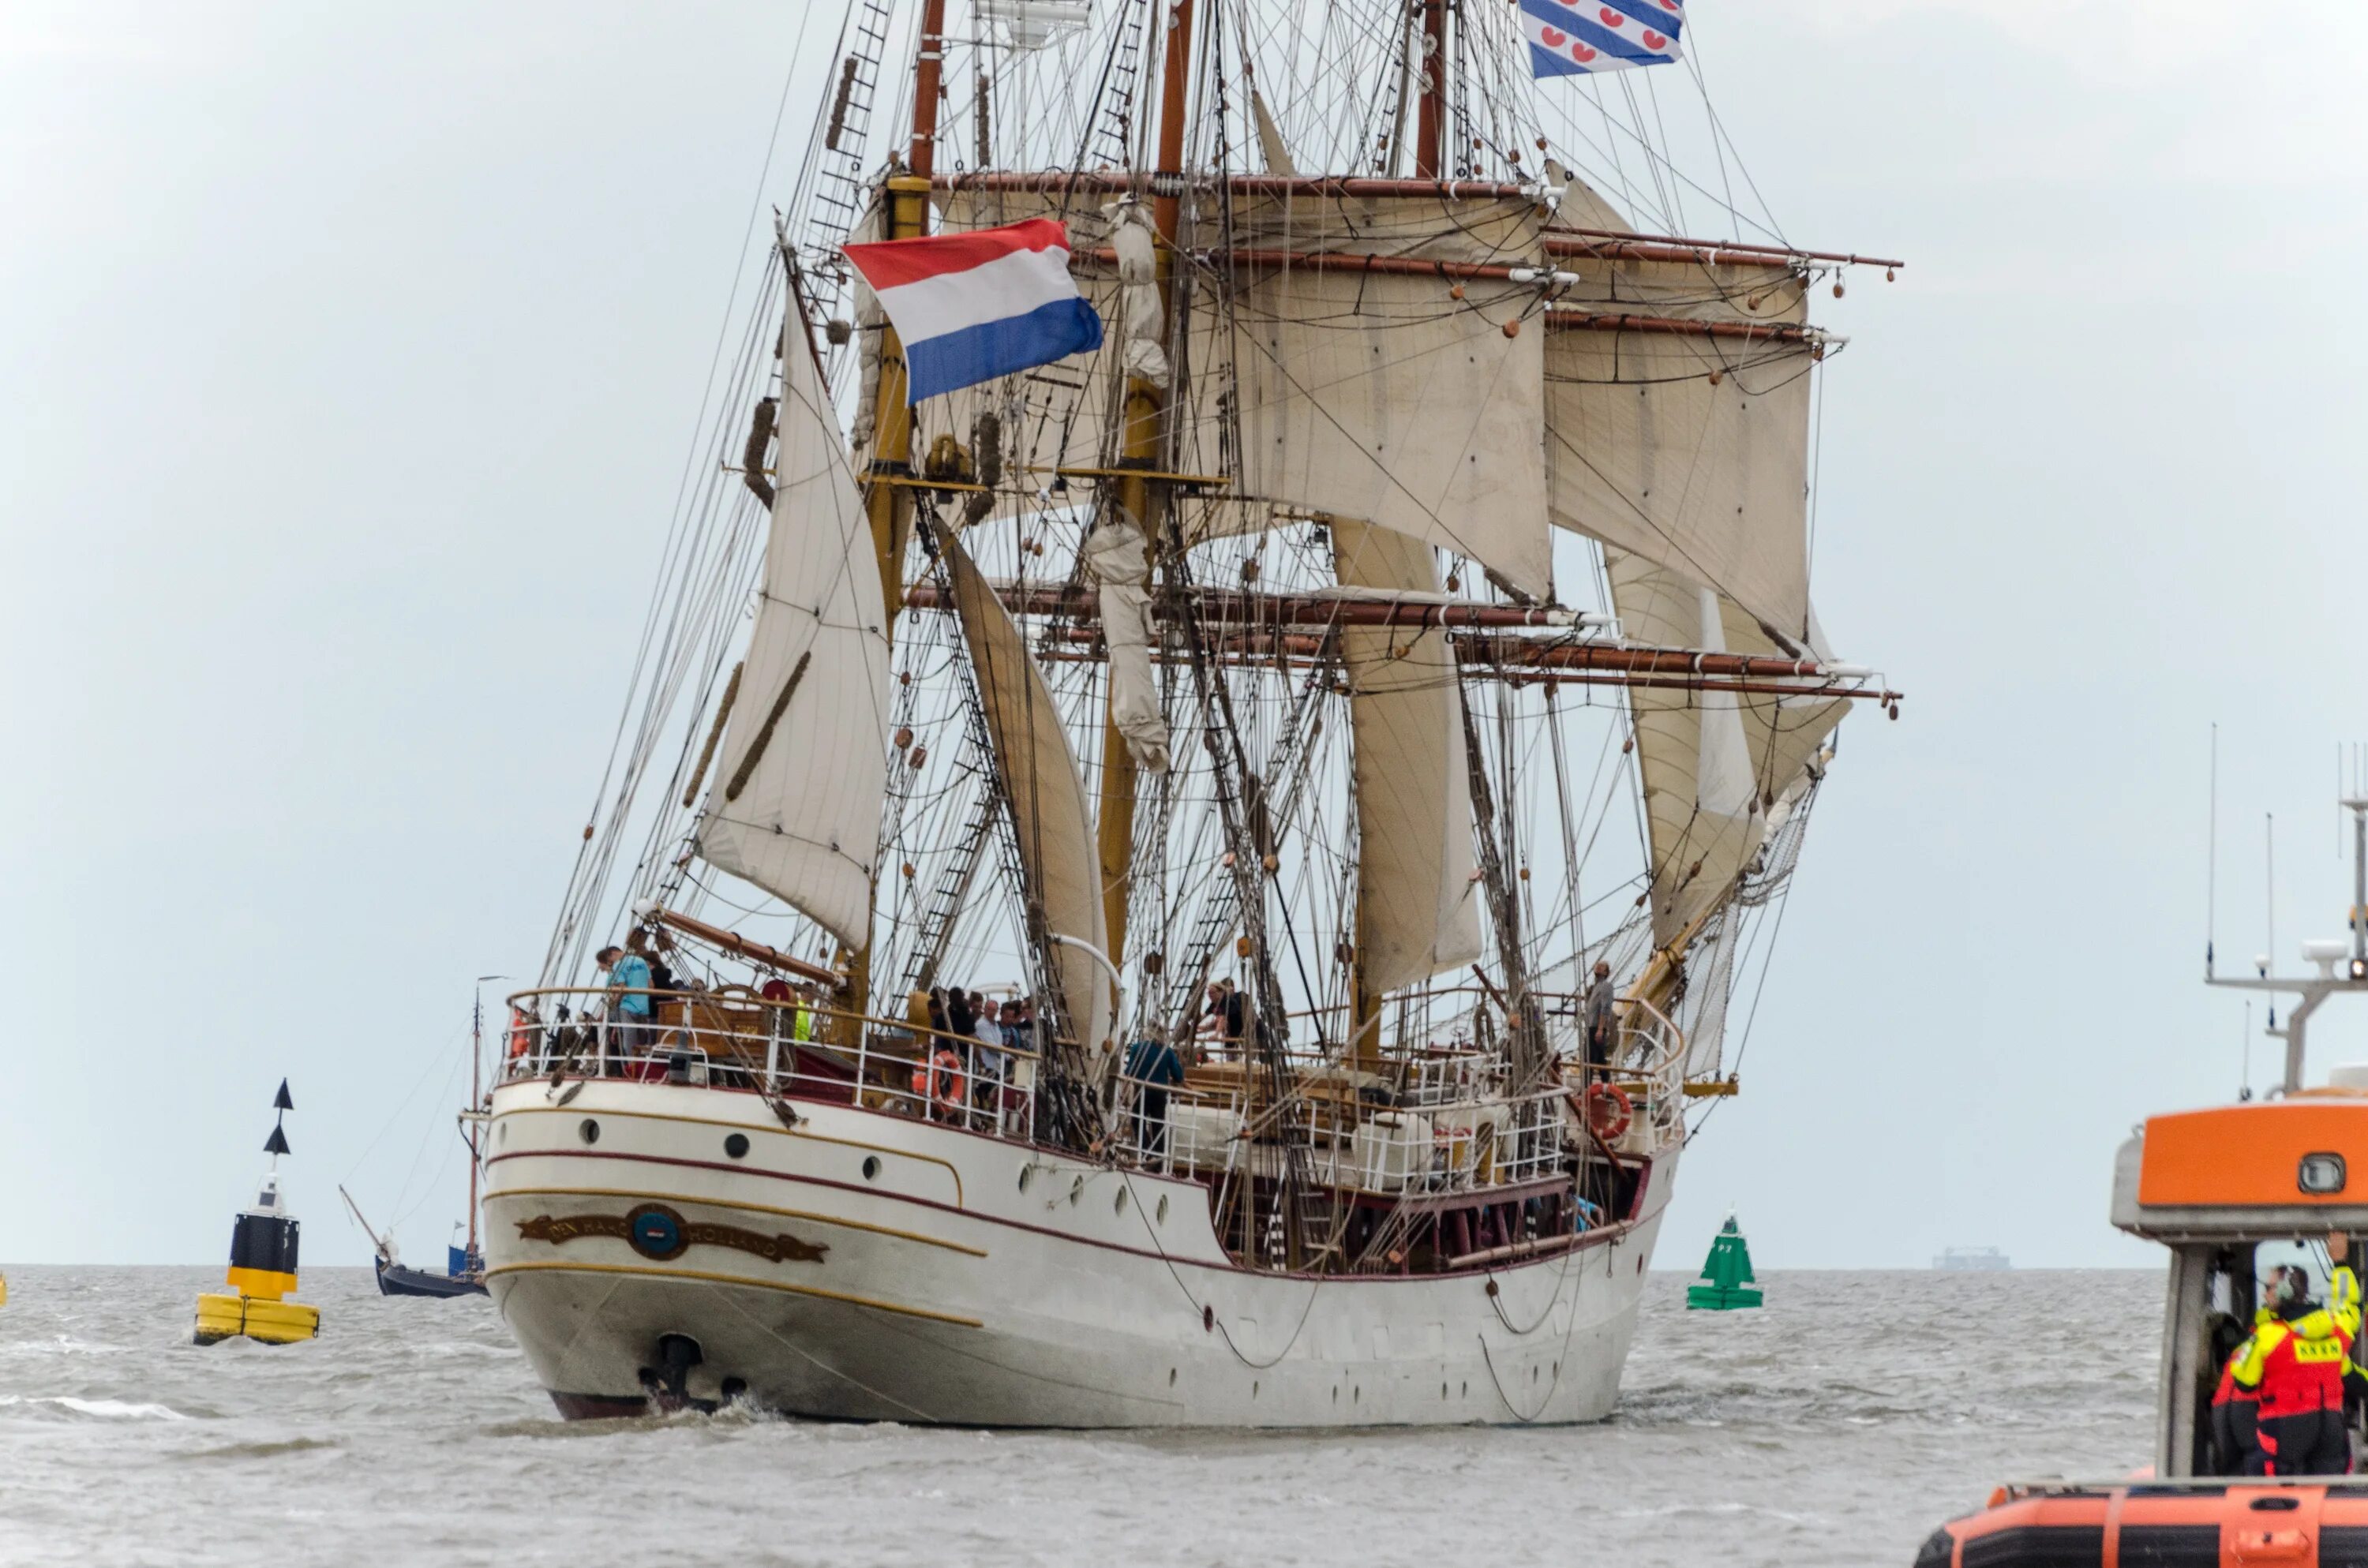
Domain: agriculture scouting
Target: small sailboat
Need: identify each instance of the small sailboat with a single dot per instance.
(464, 1265)
(464, 1268)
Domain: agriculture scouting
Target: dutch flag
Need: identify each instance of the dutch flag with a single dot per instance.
(974, 306)
(1578, 40)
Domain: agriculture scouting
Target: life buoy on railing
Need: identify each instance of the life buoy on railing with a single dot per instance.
(1609, 1111)
(940, 1080)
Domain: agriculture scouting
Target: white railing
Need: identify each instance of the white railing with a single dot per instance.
(790, 1049)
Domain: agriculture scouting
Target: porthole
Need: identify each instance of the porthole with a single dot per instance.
(502, 1133)
(1027, 1174)
(872, 1167)
(1118, 1204)
(1357, 1396)
(1171, 1376)
(2320, 1175)
(1160, 1213)
(1254, 1388)
(588, 1129)
(1443, 1391)
(736, 1145)
(1076, 1189)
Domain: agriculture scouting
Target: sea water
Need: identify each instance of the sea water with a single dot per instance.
(1836, 1425)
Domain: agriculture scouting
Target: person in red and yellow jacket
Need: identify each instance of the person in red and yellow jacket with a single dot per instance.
(2236, 1417)
(2295, 1365)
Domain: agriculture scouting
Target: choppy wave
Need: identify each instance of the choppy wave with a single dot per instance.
(1833, 1429)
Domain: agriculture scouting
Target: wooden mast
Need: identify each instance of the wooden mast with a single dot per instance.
(1430, 117)
(1429, 134)
(1143, 420)
(476, 1102)
(890, 505)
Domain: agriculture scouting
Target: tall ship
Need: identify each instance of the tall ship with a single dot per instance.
(1205, 881)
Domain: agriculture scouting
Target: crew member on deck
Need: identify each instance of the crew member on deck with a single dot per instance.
(1228, 1019)
(2294, 1362)
(1601, 1023)
(2236, 1418)
(629, 1002)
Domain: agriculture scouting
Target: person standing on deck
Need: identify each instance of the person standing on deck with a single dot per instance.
(2296, 1362)
(1601, 1021)
(628, 1019)
(1228, 1019)
(989, 1066)
(2236, 1418)
(1153, 1066)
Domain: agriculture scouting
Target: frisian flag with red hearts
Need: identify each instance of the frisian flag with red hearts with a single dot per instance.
(1579, 39)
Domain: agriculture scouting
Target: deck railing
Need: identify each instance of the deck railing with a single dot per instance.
(1438, 1121)
(780, 1048)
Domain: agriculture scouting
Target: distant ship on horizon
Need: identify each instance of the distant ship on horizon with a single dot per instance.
(1982, 1259)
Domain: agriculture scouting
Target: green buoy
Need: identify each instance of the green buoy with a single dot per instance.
(1725, 1283)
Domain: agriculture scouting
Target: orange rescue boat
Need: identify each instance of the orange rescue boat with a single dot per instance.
(2232, 1191)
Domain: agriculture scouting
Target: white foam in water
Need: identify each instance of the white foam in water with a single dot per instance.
(104, 1409)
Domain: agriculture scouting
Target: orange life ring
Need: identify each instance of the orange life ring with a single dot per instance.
(1609, 1111)
(939, 1079)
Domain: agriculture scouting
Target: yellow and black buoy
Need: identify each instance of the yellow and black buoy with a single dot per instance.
(262, 1264)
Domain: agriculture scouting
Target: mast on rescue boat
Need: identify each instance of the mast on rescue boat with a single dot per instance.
(2326, 956)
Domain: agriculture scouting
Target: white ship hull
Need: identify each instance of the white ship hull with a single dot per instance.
(870, 1267)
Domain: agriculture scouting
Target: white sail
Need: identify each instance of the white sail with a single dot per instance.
(1051, 810)
(1702, 812)
(794, 807)
(1786, 733)
(1713, 763)
(1399, 400)
(1690, 452)
(1418, 910)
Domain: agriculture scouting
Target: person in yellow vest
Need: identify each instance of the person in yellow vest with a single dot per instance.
(2344, 1304)
(2293, 1364)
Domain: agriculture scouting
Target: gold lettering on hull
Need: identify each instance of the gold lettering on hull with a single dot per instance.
(661, 1234)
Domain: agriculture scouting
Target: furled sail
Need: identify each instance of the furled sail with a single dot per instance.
(1688, 451)
(1418, 910)
(1051, 812)
(795, 805)
(1713, 762)
(1398, 399)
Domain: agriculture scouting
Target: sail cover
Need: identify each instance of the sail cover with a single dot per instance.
(1417, 913)
(1051, 812)
(795, 804)
(1712, 762)
(1690, 452)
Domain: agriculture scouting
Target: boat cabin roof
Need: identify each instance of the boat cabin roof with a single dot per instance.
(2256, 1171)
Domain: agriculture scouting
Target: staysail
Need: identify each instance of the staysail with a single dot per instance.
(1052, 815)
(795, 803)
(1418, 912)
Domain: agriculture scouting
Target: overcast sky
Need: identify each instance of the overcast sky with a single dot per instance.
(348, 356)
